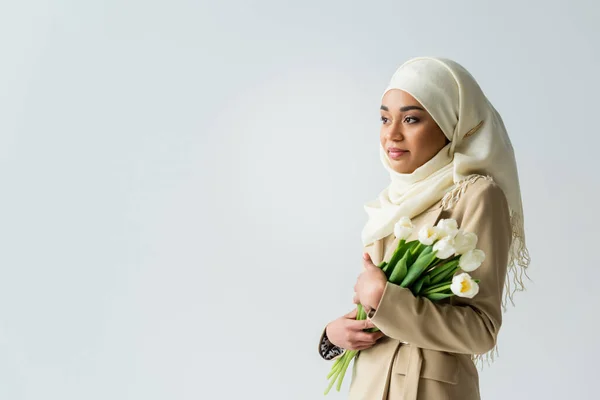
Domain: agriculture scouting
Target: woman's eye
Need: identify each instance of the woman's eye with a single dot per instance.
(384, 119)
(410, 120)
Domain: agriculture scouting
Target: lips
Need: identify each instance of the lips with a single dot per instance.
(396, 153)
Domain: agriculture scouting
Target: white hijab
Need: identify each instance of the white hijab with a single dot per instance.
(479, 144)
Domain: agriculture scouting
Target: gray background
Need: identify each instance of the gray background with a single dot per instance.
(183, 182)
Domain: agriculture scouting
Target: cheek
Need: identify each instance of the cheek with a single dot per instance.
(425, 145)
(429, 141)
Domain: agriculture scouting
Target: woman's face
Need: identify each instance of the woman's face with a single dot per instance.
(409, 134)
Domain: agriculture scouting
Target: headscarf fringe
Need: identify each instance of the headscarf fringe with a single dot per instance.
(518, 260)
(453, 195)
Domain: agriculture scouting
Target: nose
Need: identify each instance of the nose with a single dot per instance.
(394, 132)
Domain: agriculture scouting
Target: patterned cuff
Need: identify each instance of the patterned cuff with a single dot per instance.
(371, 313)
(329, 350)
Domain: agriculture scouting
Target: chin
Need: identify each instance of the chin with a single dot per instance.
(401, 167)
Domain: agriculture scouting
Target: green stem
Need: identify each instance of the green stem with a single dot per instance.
(334, 375)
(417, 248)
(448, 274)
(337, 362)
(444, 272)
(440, 269)
(361, 313)
(336, 367)
(437, 289)
(340, 379)
(436, 286)
(331, 382)
(440, 262)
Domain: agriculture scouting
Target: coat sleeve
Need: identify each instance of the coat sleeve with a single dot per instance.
(462, 325)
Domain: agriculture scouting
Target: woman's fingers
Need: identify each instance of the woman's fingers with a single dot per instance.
(338, 330)
(361, 342)
(349, 333)
(367, 337)
(360, 325)
(363, 347)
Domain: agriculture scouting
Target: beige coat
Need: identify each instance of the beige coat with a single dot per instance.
(426, 351)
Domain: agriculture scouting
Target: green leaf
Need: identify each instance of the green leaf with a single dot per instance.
(417, 268)
(422, 252)
(408, 247)
(389, 268)
(400, 271)
(421, 283)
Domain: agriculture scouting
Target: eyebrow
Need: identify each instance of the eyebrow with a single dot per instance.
(403, 109)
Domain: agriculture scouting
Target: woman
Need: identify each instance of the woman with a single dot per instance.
(449, 156)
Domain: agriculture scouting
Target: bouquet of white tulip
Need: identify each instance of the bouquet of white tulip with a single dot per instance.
(428, 267)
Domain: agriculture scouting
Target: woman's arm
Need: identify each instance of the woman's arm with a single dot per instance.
(465, 325)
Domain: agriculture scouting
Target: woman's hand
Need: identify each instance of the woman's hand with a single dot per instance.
(346, 332)
(370, 284)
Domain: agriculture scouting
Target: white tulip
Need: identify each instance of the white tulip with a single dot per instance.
(444, 248)
(428, 235)
(448, 228)
(464, 286)
(465, 242)
(471, 260)
(403, 228)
